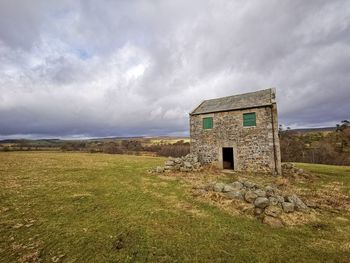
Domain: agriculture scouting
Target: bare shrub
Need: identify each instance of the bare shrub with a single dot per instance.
(178, 149)
(174, 150)
(113, 148)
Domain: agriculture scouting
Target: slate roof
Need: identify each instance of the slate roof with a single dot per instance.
(242, 101)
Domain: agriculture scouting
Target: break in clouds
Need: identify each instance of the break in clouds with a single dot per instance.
(125, 68)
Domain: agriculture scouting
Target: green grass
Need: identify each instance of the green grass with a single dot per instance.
(106, 208)
(329, 173)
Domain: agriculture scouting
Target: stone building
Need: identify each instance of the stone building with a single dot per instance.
(238, 132)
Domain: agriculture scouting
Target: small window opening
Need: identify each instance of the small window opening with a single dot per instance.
(249, 119)
(208, 123)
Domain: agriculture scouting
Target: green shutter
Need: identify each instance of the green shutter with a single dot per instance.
(249, 119)
(208, 123)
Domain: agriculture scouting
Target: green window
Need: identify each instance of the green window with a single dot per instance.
(249, 119)
(208, 123)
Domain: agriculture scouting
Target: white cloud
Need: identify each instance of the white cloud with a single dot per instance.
(101, 68)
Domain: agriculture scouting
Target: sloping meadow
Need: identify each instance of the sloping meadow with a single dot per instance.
(80, 207)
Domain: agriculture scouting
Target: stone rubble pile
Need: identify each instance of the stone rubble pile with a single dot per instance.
(268, 203)
(186, 163)
(289, 168)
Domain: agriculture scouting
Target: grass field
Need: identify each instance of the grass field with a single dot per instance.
(77, 207)
(330, 173)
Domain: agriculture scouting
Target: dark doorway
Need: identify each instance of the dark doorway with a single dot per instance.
(227, 158)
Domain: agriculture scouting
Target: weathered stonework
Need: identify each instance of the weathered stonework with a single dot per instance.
(255, 148)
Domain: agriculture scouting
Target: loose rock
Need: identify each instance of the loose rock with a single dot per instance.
(280, 198)
(237, 185)
(160, 169)
(273, 200)
(218, 187)
(249, 184)
(274, 211)
(186, 163)
(177, 160)
(288, 207)
(235, 195)
(270, 191)
(300, 171)
(228, 188)
(260, 193)
(250, 196)
(287, 165)
(169, 163)
(299, 204)
(261, 202)
(289, 169)
(169, 168)
(258, 211)
(185, 169)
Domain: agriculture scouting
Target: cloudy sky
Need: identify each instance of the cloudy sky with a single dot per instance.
(121, 68)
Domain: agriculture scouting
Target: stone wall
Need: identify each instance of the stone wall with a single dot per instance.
(255, 148)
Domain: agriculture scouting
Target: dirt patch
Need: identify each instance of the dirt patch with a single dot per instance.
(120, 241)
(30, 257)
(29, 252)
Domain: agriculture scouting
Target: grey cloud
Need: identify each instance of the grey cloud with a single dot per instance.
(103, 68)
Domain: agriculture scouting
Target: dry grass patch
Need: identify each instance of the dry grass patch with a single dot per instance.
(325, 198)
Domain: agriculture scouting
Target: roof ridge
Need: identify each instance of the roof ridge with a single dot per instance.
(259, 98)
(241, 94)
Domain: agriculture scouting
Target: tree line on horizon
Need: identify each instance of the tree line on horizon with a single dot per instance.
(325, 147)
(330, 147)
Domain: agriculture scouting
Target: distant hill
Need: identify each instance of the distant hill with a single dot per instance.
(57, 141)
(40, 141)
(308, 130)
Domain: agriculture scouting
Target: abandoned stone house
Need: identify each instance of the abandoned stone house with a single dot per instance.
(238, 132)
